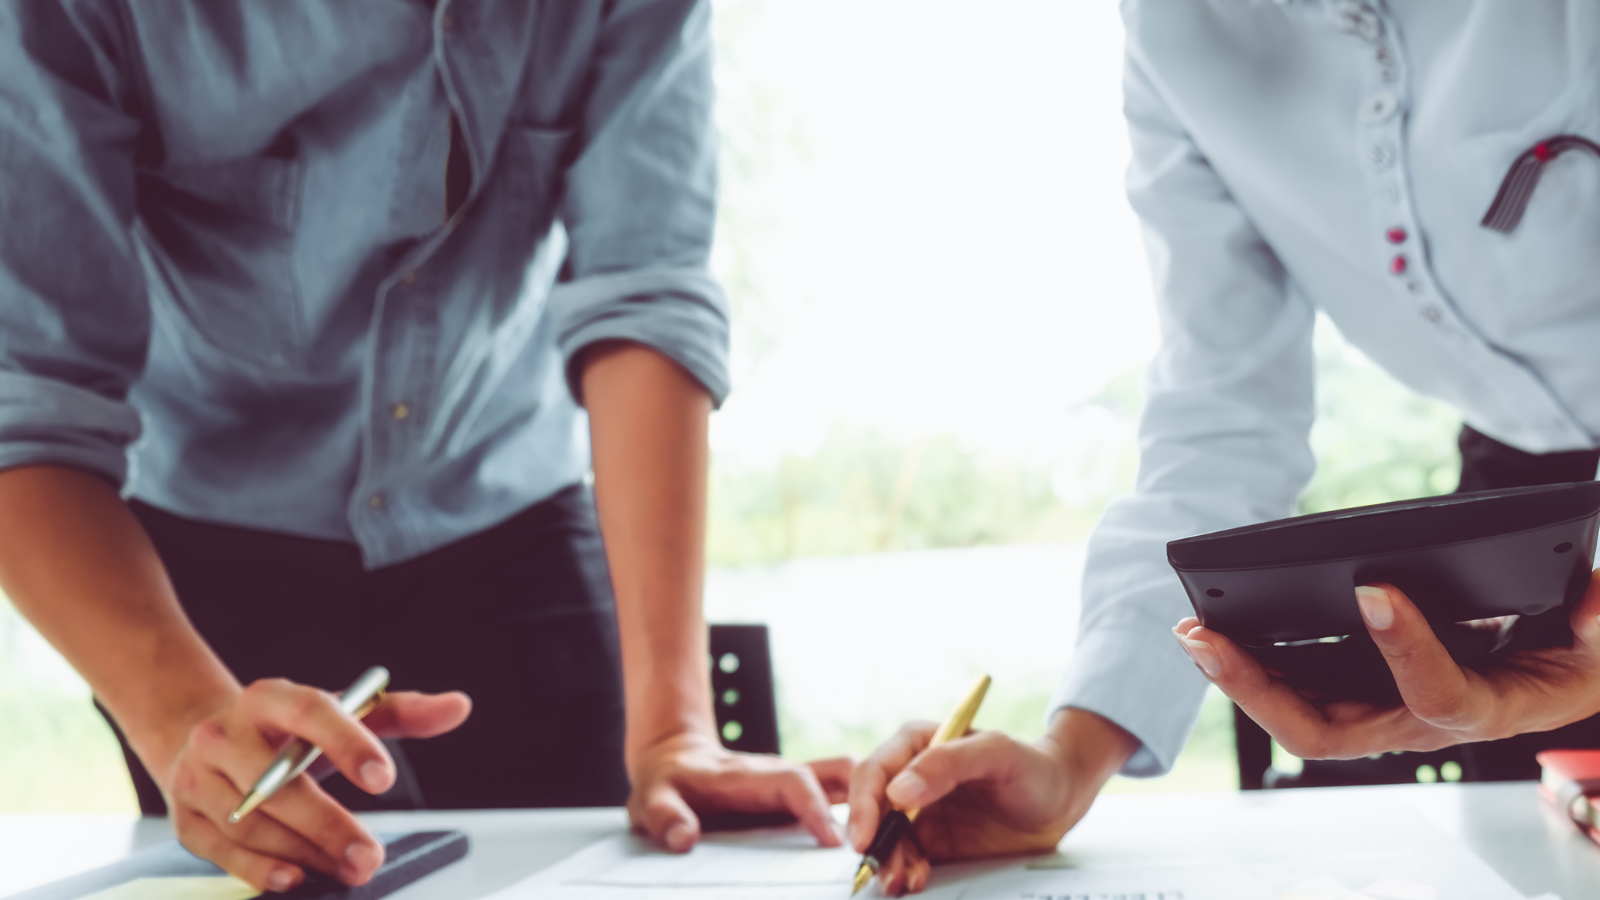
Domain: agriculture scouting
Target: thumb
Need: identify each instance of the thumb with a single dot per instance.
(939, 770)
(1431, 683)
(1585, 616)
(666, 818)
(416, 715)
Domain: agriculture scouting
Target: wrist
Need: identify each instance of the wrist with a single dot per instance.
(658, 717)
(159, 721)
(1088, 749)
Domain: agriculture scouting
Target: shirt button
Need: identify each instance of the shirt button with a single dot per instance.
(1398, 265)
(1359, 19)
(408, 279)
(1432, 314)
(376, 501)
(400, 410)
(1396, 235)
(1379, 108)
(1381, 155)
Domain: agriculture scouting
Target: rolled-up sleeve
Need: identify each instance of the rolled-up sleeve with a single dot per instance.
(1224, 440)
(640, 205)
(74, 319)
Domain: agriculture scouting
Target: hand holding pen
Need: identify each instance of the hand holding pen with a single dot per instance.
(298, 826)
(982, 794)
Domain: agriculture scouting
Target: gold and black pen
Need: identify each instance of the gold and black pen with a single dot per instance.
(897, 824)
(358, 699)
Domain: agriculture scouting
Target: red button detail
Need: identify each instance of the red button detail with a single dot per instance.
(1396, 235)
(1541, 151)
(1398, 265)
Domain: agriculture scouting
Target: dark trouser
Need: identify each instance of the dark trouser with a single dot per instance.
(520, 617)
(1487, 464)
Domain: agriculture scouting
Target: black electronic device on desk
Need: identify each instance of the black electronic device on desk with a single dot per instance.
(166, 868)
(1285, 590)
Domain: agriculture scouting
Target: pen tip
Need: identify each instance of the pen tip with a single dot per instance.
(251, 801)
(863, 875)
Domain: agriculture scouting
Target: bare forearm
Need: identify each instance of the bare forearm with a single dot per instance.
(649, 419)
(78, 565)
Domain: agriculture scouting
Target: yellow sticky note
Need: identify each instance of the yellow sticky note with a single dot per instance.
(196, 887)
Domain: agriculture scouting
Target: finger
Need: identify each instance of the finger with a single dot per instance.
(662, 813)
(834, 776)
(934, 773)
(204, 840)
(207, 792)
(314, 715)
(1344, 730)
(1585, 616)
(758, 783)
(799, 792)
(414, 715)
(869, 779)
(1432, 685)
(242, 755)
(899, 874)
(917, 871)
(1201, 653)
(308, 809)
(892, 871)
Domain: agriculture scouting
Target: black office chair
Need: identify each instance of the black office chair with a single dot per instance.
(741, 679)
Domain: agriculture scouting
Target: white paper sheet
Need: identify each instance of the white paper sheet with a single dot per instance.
(768, 863)
(1194, 847)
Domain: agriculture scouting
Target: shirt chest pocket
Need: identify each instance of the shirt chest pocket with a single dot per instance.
(1537, 189)
(221, 255)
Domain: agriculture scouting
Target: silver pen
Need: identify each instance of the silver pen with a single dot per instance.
(360, 698)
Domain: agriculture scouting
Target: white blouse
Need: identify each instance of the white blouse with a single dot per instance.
(1341, 155)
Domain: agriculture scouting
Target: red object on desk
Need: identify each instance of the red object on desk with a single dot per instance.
(1570, 781)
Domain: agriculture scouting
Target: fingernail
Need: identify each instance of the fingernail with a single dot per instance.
(1204, 655)
(906, 788)
(280, 880)
(855, 834)
(1375, 607)
(678, 837)
(375, 775)
(361, 858)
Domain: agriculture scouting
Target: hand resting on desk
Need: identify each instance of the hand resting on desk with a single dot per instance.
(690, 774)
(1444, 702)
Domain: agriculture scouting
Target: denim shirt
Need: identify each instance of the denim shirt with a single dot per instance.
(229, 280)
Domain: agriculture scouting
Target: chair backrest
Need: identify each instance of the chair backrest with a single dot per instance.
(741, 679)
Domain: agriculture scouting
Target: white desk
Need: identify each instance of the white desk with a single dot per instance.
(1506, 824)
